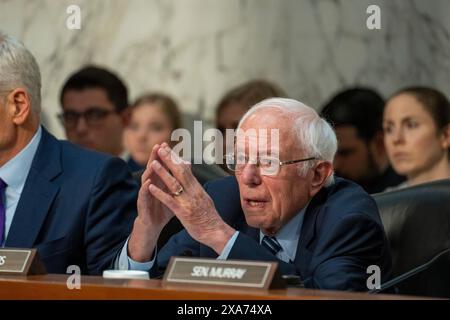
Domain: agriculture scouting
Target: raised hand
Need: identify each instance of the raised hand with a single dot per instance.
(185, 197)
(152, 215)
(150, 210)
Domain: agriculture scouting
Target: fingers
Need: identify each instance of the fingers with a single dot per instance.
(142, 198)
(144, 187)
(153, 157)
(171, 183)
(178, 167)
(165, 198)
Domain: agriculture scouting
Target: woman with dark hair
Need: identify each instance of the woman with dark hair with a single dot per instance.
(416, 125)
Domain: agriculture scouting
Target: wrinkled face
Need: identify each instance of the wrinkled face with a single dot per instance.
(148, 126)
(269, 202)
(104, 134)
(353, 159)
(411, 137)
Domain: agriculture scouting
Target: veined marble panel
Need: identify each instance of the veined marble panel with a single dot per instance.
(198, 49)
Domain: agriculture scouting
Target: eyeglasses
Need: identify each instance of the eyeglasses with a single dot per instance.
(92, 116)
(268, 166)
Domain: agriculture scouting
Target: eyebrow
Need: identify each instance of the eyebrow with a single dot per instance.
(401, 120)
(94, 107)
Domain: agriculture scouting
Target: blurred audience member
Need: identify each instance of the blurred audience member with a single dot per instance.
(417, 134)
(356, 115)
(153, 118)
(95, 110)
(236, 102)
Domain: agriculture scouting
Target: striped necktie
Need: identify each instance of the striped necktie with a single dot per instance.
(271, 244)
(2, 211)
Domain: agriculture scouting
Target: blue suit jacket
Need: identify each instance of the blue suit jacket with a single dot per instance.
(77, 207)
(341, 236)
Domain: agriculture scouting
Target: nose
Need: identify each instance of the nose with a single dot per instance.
(250, 175)
(141, 136)
(81, 126)
(398, 136)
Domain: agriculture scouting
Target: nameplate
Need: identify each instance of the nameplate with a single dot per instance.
(20, 262)
(230, 273)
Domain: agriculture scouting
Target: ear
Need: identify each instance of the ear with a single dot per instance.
(126, 116)
(446, 137)
(377, 143)
(19, 104)
(320, 173)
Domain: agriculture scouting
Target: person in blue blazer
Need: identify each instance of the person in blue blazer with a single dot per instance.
(75, 206)
(284, 205)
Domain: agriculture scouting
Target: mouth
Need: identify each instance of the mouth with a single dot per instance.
(400, 156)
(142, 151)
(253, 203)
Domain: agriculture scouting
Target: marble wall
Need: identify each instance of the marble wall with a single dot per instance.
(197, 49)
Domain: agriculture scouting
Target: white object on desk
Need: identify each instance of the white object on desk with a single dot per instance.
(125, 274)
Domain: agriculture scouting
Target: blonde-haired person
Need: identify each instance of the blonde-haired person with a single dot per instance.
(153, 118)
(416, 125)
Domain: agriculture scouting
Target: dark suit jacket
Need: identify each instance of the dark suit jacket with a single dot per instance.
(134, 166)
(341, 236)
(77, 207)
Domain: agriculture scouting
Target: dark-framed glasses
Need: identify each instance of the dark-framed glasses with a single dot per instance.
(268, 165)
(92, 116)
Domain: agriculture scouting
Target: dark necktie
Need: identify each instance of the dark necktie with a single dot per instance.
(271, 244)
(2, 211)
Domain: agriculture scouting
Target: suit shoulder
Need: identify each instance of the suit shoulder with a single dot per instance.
(78, 158)
(345, 198)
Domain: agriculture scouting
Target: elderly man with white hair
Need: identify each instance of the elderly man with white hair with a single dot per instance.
(284, 205)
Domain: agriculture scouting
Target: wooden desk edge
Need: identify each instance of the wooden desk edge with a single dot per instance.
(49, 287)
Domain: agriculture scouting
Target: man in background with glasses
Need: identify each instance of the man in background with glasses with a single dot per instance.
(284, 205)
(95, 110)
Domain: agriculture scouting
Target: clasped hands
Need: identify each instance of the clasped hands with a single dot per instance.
(169, 188)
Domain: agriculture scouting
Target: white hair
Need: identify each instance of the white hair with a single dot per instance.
(314, 134)
(18, 68)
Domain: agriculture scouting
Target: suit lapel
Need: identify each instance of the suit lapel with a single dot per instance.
(308, 233)
(37, 195)
(239, 225)
(251, 232)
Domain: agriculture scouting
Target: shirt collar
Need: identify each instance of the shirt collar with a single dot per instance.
(125, 156)
(289, 235)
(15, 171)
